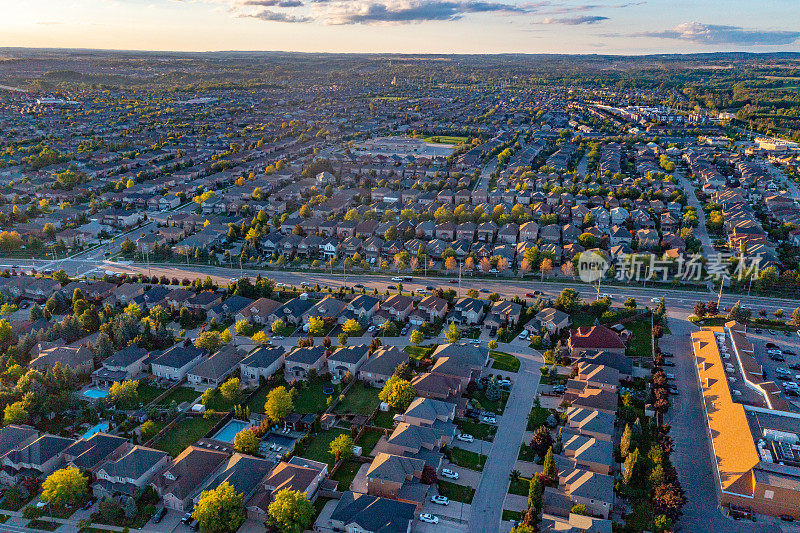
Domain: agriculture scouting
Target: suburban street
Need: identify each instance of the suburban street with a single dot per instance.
(487, 505)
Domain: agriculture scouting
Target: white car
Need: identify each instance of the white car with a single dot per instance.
(489, 419)
(429, 518)
(439, 499)
(397, 278)
(504, 382)
(465, 437)
(450, 474)
(655, 300)
(280, 284)
(523, 335)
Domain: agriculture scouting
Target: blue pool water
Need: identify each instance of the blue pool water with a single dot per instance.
(95, 393)
(102, 426)
(229, 431)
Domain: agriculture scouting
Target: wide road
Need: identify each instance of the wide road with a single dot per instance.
(487, 505)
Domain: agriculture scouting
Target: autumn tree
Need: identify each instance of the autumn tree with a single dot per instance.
(398, 393)
(220, 510)
(280, 403)
(65, 486)
(291, 512)
(342, 447)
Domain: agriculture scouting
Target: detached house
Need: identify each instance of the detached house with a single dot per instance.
(347, 359)
(300, 362)
(129, 471)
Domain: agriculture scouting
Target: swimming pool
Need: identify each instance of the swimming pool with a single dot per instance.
(97, 428)
(229, 430)
(95, 393)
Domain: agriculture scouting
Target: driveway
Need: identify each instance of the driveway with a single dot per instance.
(466, 476)
(482, 447)
(487, 505)
(692, 452)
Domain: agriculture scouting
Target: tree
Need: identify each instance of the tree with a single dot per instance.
(127, 247)
(291, 512)
(246, 442)
(259, 337)
(403, 371)
(453, 334)
(65, 487)
(580, 509)
(209, 341)
(316, 326)
(541, 441)
(794, 321)
(699, 309)
(148, 430)
(124, 394)
(535, 492)
(492, 344)
(280, 403)
(342, 447)
(549, 466)
(417, 337)
(15, 413)
(493, 390)
(630, 466)
(568, 300)
(630, 303)
(625, 441)
(523, 528)
(351, 327)
(243, 328)
(279, 327)
(232, 391)
(220, 510)
(398, 393)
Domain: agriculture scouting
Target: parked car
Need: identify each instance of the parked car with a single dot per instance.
(429, 518)
(195, 525)
(777, 357)
(669, 363)
(159, 516)
(529, 295)
(187, 518)
(465, 437)
(560, 389)
(794, 366)
(667, 354)
(489, 419)
(787, 518)
(523, 335)
(673, 391)
(449, 474)
(472, 413)
(439, 499)
(670, 376)
(358, 286)
(504, 382)
(655, 299)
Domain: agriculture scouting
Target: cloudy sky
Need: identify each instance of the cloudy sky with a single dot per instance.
(410, 26)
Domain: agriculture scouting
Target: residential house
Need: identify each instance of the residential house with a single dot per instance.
(263, 362)
(176, 362)
(212, 371)
(301, 361)
(347, 359)
(184, 476)
(379, 367)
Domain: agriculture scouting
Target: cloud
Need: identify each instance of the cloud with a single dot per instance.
(272, 3)
(405, 11)
(273, 16)
(698, 33)
(574, 21)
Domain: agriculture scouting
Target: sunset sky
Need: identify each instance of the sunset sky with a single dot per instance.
(411, 26)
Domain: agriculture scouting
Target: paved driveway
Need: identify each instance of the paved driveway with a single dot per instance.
(487, 505)
(466, 476)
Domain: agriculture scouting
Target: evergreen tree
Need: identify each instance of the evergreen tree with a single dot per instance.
(549, 466)
(625, 441)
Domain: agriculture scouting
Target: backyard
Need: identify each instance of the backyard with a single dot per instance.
(467, 459)
(346, 473)
(360, 399)
(317, 448)
(476, 429)
(640, 344)
(309, 397)
(179, 395)
(184, 433)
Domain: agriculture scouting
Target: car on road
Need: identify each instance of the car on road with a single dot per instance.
(429, 518)
(772, 332)
(439, 499)
(465, 437)
(159, 516)
(655, 299)
(455, 282)
(397, 278)
(278, 338)
(449, 474)
(529, 295)
(489, 419)
(787, 334)
(280, 284)
(430, 288)
(669, 363)
(392, 287)
(787, 518)
(758, 330)
(673, 391)
(358, 286)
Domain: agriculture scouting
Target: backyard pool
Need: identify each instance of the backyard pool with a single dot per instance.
(95, 393)
(229, 430)
(97, 428)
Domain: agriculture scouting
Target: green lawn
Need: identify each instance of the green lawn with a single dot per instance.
(580, 319)
(44, 525)
(446, 139)
(180, 395)
(520, 487)
(476, 429)
(419, 352)
(368, 441)
(256, 403)
(640, 344)
(346, 473)
(384, 419)
(361, 399)
(512, 515)
(457, 493)
(504, 361)
(310, 399)
(318, 448)
(184, 433)
(479, 401)
(467, 459)
(525, 453)
(148, 393)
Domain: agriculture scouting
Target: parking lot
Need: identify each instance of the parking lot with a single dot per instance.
(782, 367)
